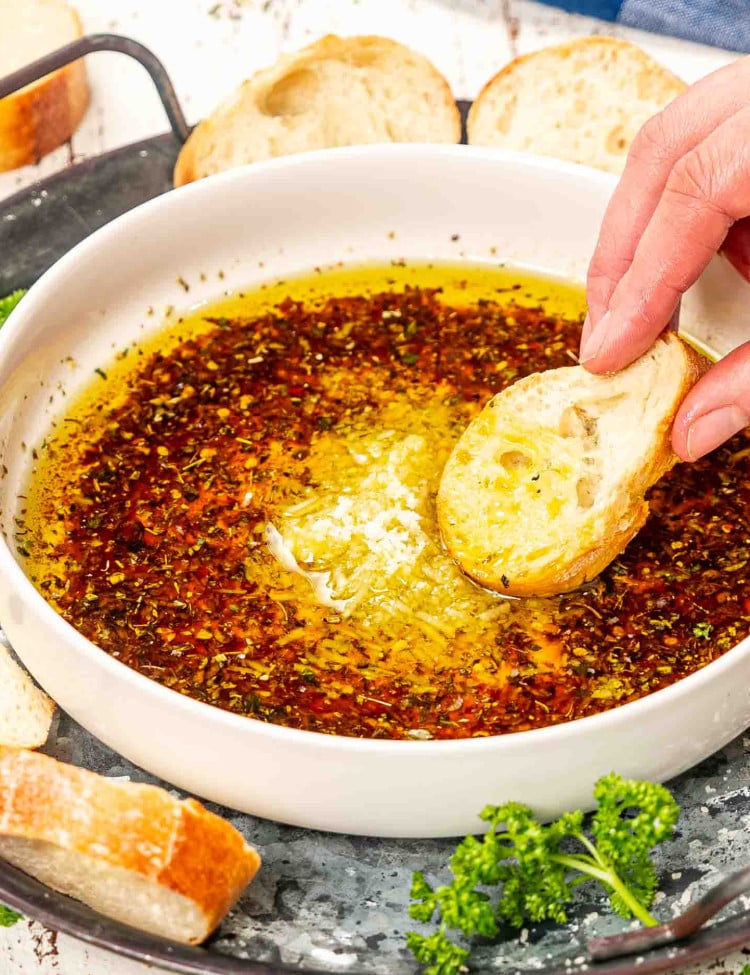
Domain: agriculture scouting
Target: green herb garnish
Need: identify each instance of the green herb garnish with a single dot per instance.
(537, 867)
(8, 917)
(703, 630)
(8, 303)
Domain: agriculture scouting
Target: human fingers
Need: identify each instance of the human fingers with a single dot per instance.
(668, 136)
(707, 190)
(716, 408)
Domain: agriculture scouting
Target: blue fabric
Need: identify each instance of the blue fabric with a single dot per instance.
(604, 9)
(722, 23)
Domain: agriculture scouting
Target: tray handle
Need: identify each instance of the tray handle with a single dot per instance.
(643, 940)
(91, 44)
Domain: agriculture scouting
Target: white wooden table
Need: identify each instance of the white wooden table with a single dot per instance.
(208, 47)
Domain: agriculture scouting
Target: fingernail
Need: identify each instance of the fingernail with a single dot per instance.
(592, 344)
(712, 429)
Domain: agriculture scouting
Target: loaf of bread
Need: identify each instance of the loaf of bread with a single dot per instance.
(130, 851)
(40, 117)
(582, 101)
(547, 484)
(25, 710)
(339, 91)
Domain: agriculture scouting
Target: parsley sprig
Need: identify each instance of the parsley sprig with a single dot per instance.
(8, 303)
(8, 917)
(536, 868)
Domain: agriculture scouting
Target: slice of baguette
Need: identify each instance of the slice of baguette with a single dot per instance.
(339, 91)
(130, 851)
(582, 101)
(42, 116)
(547, 484)
(25, 710)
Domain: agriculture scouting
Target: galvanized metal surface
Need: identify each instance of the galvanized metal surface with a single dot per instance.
(328, 903)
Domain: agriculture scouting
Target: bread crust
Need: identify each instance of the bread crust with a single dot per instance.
(582, 559)
(25, 710)
(563, 51)
(176, 844)
(41, 117)
(198, 157)
(557, 55)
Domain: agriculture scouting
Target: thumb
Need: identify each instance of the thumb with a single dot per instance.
(716, 408)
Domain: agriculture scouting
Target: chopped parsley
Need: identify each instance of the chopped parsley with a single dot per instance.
(703, 630)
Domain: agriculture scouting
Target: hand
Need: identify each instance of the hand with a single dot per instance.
(684, 195)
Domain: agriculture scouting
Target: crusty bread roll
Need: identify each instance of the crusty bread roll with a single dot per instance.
(547, 484)
(339, 91)
(130, 851)
(583, 101)
(42, 116)
(25, 710)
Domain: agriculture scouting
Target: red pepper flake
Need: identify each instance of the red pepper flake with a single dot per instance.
(163, 514)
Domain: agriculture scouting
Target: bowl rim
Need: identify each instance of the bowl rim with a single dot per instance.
(17, 580)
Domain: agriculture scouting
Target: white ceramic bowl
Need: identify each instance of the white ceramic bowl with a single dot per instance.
(258, 223)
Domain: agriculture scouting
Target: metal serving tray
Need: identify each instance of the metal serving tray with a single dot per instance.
(328, 903)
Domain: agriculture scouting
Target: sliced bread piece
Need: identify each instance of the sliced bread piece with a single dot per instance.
(130, 851)
(25, 710)
(42, 116)
(582, 101)
(547, 484)
(339, 91)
